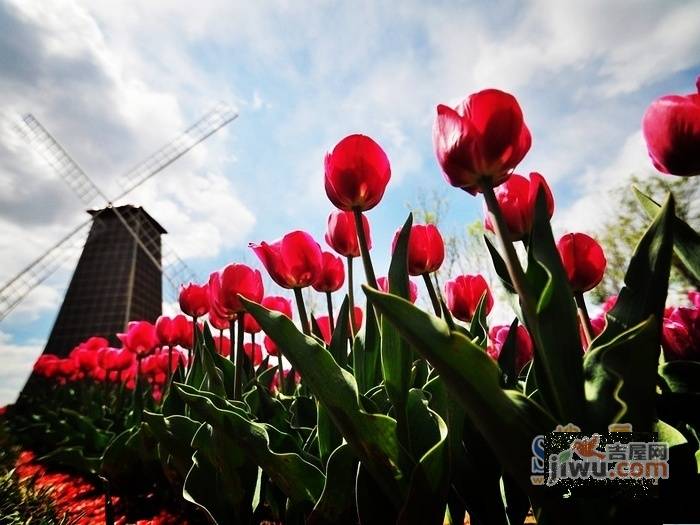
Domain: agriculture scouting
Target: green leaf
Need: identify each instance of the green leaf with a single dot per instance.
(367, 352)
(395, 353)
(646, 280)
(686, 241)
(329, 438)
(479, 328)
(337, 502)
(371, 436)
(682, 377)
(174, 435)
(508, 420)
(621, 378)
(499, 265)
(298, 479)
(508, 356)
(557, 345)
(339, 339)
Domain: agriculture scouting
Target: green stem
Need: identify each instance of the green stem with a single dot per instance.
(238, 377)
(232, 338)
(364, 249)
(584, 317)
(431, 292)
(515, 270)
(280, 387)
(221, 339)
(170, 366)
(331, 320)
(351, 295)
(302, 311)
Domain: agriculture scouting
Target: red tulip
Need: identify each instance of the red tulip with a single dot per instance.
(115, 359)
(517, 198)
(194, 299)
(681, 334)
(463, 294)
(226, 285)
(84, 358)
(324, 324)
(270, 346)
(140, 338)
(383, 284)
(357, 172)
(332, 275)
(426, 249)
(523, 344)
(223, 345)
(342, 234)
(484, 137)
(294, 261)
(276, 303)
(219, 322)
(694, 298)
(671, 127)
(583, 260)
(165, 330)
(254, 353)
(182, 330)
(46, 365)
(94, 343)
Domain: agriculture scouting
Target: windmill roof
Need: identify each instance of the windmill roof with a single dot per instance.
(130, 208)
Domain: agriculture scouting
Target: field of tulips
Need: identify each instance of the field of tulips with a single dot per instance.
(247, 409)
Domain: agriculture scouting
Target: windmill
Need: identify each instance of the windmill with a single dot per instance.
(122, 250)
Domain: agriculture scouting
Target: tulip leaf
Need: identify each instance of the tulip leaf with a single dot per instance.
(329, 438)
(339, 339)
(686, 241)
(174, 435)
(682, 377)
(367, 352)
(395, 352)
(298, 479)
(507, 359)
(556, 337)
(371, 436)
(479, 328)
(507, 419)
(621, 378)
(499, 265)
(337, 502)
(222, 478)
(646, 280)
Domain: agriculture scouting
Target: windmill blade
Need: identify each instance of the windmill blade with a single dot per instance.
(206, 126)
(62, 163)
(12, 292)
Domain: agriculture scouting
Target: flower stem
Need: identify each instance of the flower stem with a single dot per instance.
(302, 311)
(515, 270)
(431, 292)
(232, 338)
(329, 302)
(221, 339)
(584, 317)
(351, 295)
(280, 387)
(364, 249)
(238, 377)
(170, 365)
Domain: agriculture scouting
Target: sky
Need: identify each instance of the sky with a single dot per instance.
(114, 81)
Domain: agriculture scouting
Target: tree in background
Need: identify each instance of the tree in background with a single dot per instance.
(622, 230)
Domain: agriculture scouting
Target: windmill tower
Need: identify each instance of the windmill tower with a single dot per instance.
(119, 275)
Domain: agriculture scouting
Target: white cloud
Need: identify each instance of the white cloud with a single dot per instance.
(17, 361)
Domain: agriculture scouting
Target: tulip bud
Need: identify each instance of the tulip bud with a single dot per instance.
(140, 338)
(426, 249)
(226, 285)
(523, 344)
(463, 294)
(583, 260)
(484, 137)
(194, 299)
(332, 275)
(165, 330)
(671, 128)
(294, 261)
(357, 172)
(517, 197)
(342, 234)
(383, 284)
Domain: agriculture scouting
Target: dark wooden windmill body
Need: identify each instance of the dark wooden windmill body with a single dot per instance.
(115, 281)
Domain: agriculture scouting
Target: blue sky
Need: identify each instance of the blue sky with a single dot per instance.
(114, 81)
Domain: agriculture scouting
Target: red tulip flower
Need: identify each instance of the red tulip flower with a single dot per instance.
(357, 172)
(223, 345)
(332, 275)
(295, 261)
(270, 346)
(671, 127)
(276, 303)
(94, 343)
(166, 331)
(194, 299)
(523, 344)
(217, 321)
(484, 137)
(254, 353)
(383, 283)
(324, 325)
(463, 294)
(115, 359)
(140, 338)
(681, 334)
(226, 285)
(517, 197)
(342, 234)
(426, 249)
(583, 260)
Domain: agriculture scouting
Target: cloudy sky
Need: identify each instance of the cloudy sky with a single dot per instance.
(116, 80)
